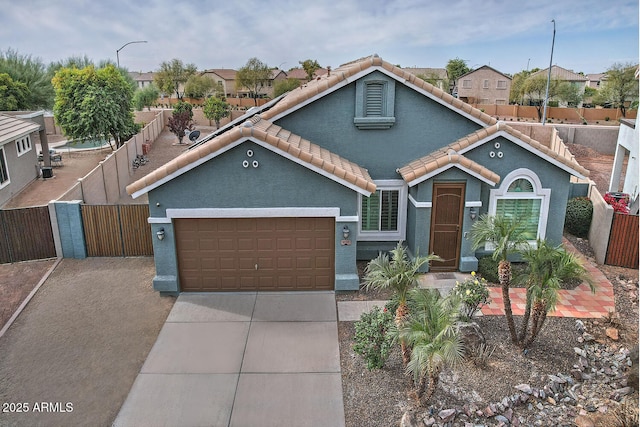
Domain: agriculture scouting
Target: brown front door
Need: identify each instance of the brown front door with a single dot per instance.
(446, 224)
(255, 254)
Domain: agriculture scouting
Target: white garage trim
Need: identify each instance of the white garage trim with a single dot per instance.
(252, 212)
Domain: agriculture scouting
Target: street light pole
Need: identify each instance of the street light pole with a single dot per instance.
(546, 96)
(123, 46)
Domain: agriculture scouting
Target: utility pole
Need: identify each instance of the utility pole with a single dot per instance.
(546, 97)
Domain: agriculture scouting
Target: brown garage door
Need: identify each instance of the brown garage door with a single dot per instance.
(249, 254)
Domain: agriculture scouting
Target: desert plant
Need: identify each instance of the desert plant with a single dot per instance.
(399, 273)
(374, 337)
(431, 331)
(481, 354)
(473, 293)
(488, 268)
(578, 216)
(506, 235)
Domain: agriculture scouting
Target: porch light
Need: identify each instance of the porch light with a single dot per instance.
(345, 232)
(473, 214)
(160, 234)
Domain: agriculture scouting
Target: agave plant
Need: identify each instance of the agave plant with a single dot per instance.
(398, 272)
(507, 236)
(431, 332)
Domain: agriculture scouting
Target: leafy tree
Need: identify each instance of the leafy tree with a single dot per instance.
(13, 95)
(216, 109)
(310, 66)
(517, 86)
(620, 87)
(32, 73)
(507, 236)
(399, 274)
(145, 97)
(199, 87)
(173, 76)
(535, 88)
(254, 75)
(456, 68)
(547, 267)
(432, 333)
(181, 120)
(284, 86)
(569, 93)
(94, 103)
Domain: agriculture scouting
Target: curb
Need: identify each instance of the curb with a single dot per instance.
(28, 298)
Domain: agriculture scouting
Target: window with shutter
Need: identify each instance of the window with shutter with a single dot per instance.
(375, 98)
(382, 213)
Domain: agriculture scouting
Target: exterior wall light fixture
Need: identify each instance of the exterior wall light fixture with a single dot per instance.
(346, 232)
(473, 214)
(160, 234)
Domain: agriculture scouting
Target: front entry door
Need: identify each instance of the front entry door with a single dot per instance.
(446, 225)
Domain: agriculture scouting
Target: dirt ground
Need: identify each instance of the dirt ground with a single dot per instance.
(80, 342)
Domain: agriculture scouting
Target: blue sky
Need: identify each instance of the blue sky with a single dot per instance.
(508, 35)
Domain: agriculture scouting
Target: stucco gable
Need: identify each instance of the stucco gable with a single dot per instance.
(272, 137)
(350, 72)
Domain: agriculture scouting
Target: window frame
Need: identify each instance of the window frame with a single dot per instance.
(395, 235)
(387, 118)
(467, 84)
(538, 193)
(485, 84)
(4, 167)
(504, 82)
(23, 145)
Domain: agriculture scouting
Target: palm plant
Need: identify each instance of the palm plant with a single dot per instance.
(399, 273)
(507, 236)
(432, 333)
(547, 267)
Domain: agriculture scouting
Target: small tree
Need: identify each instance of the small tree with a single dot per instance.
(216, 109)
(284, 86)
(400, 274)
(199, 87)
(620, 87)
(13, 95)
(172, 77)
(310, 66)
(455, 68)
(181, 120)
(146, 97)
(535, 88)
(431, 332)
(254, 75)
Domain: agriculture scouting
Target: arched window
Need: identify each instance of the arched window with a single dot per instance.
(522, 198)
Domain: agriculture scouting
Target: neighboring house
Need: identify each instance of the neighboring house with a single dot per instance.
(436, 76)
(339, 170)
(627, 148)
(142, 79)
(596, 80)
(484, 85)
(225, 78)
(559, 73)
(301, 74)
(18, 156)
(276, 76)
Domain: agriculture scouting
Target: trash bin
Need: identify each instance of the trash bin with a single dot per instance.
(47, 172)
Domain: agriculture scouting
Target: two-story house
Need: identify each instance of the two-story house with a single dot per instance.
(339, 170)
(484, 85)
(562, 74)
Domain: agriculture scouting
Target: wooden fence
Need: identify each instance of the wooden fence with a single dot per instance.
(623, 241)
(26, 234)
(117, 230)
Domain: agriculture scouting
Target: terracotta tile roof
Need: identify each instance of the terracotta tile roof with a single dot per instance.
(440, 159)
(223, 73)
(301, 74)
(307, 153)
(342, 74)
(12, 128)
(453, 153)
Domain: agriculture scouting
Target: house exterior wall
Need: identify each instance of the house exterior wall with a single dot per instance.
(22, 169)
(478, 93)
(275, 183)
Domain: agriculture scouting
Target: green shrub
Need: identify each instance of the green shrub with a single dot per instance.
(578, 218)
(374, 337)
(473, 293)
(488, 268)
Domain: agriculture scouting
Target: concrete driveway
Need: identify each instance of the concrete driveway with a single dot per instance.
(242, 359)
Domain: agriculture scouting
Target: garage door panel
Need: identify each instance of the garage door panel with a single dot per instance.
(221, 254)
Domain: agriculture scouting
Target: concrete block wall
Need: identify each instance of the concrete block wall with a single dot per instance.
(600, 225)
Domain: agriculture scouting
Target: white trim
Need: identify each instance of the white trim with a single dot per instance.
(400, 234)
(158, 220)
(354, 218)
(477, 204)
(19, 146)
(252, 212)
(5, 164)
(261, 143)
(418, 204)
(543, 194)
(449, 166)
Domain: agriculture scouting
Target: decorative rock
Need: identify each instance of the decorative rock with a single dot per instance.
(447, 415)
(525, 388)
(488, 412)
(429, 421)
(612, 333)
(551, 400)
(408, 420)
(502, 419)
(584, 421)
(508, 414)
(580, 352)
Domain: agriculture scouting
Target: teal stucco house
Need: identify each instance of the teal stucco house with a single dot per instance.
(334, 172)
